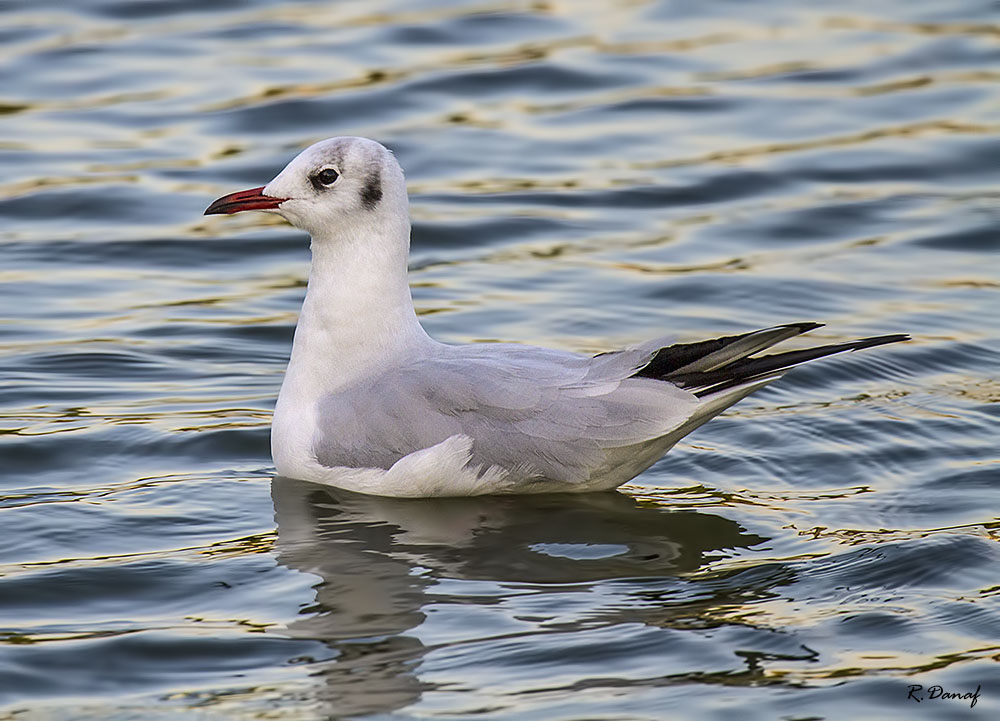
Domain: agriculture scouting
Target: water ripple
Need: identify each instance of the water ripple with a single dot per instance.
(583, 176)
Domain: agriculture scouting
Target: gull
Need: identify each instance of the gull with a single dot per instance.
(371, 403)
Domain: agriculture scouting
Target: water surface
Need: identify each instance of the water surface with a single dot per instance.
(583, 175)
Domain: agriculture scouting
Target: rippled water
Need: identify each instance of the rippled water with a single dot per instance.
(583, 175)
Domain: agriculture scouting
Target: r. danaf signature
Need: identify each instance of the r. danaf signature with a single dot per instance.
(936, 692)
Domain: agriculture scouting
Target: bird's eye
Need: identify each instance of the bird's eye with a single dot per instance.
(327, 176)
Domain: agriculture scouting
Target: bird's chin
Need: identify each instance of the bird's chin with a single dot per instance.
(289, 214)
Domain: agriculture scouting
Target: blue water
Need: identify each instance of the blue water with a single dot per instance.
(583, 175)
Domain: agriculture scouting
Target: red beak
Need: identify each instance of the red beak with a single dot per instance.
(253, 199)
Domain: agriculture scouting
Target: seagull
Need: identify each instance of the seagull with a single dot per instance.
(371, 403)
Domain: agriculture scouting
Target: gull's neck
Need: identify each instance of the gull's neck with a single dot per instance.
(357, 317)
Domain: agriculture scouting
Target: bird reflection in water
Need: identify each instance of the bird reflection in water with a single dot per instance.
(381, 562)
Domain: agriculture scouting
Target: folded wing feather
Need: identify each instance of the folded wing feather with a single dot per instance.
(536, 411)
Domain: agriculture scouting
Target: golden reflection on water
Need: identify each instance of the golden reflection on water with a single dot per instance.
(930, 127)
(247, 545)
(844, 22)
(866, 537)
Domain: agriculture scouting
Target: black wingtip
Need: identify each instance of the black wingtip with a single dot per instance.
(803, 327)
(879, 340)
(746, 370)
(667, 360)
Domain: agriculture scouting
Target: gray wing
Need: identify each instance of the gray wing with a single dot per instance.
(532, 410)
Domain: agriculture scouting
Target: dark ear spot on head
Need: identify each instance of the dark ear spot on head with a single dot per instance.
(371, 194)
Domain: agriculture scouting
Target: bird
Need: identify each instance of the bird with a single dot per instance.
(373, 404)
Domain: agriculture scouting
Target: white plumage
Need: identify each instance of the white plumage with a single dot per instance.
(371, 403)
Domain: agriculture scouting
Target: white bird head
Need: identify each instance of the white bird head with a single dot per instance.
(337, 186)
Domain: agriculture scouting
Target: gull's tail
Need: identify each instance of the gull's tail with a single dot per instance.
(711, 366)
(723, 371)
